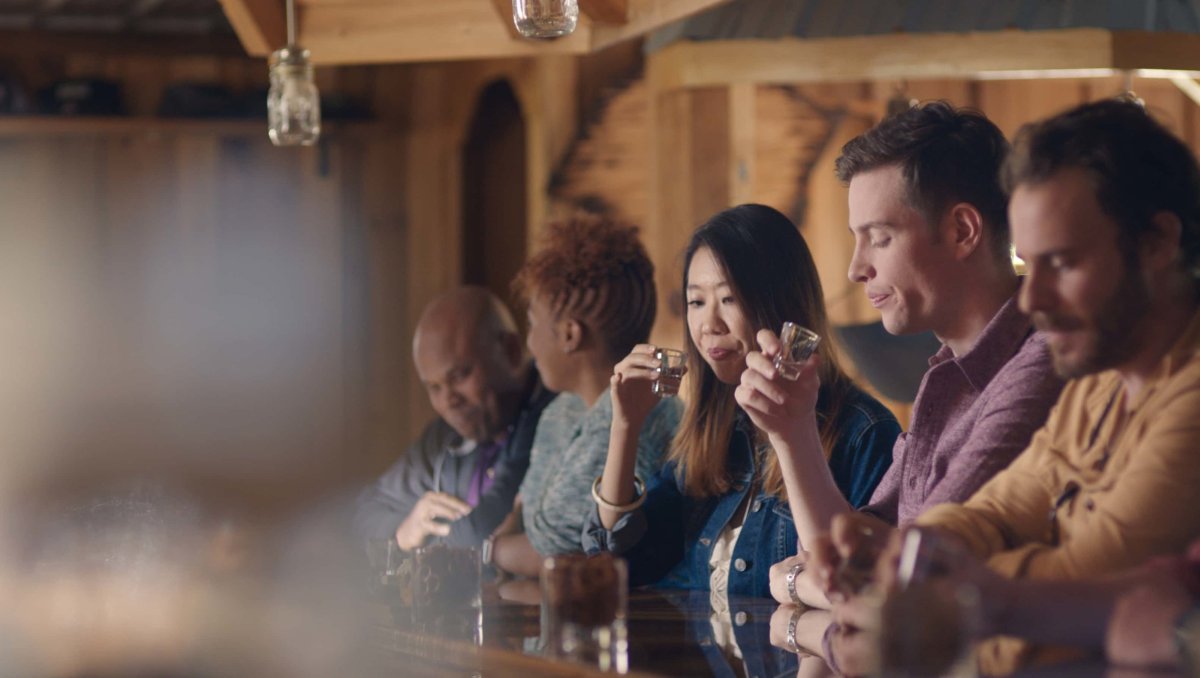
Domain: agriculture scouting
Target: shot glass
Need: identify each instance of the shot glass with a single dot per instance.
(798, 344)
(670, 371)
(584, 601)
(545, 19)
(445, 582)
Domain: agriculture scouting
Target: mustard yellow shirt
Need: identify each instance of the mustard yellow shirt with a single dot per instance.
(1108, 482)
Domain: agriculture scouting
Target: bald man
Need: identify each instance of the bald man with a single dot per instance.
(459, 479)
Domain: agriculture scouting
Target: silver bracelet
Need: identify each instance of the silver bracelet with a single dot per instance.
(791, 632)
(791, 583)
(639, 489)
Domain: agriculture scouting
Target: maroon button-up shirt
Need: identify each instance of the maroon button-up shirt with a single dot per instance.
(973, 415)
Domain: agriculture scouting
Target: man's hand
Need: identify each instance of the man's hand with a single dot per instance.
(845, 560)
(431, 516)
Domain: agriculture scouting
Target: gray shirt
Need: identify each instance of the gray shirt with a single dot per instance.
(569, 452)
(441, 461)
(972, 416)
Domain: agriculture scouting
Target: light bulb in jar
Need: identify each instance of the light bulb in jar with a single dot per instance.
(293, 102)
(545, 19)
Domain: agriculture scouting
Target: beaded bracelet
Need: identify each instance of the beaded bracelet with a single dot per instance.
(639, 489)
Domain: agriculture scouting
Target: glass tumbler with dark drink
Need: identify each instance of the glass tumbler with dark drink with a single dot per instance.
(445, 579)
(584, 602)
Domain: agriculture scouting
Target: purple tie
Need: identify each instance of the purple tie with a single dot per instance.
(481, 480)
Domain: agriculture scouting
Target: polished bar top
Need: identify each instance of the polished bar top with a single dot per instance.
(671, 633)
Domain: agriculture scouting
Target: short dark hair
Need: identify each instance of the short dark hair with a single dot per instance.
(597, 271)
(1137, 167)
(947, 155)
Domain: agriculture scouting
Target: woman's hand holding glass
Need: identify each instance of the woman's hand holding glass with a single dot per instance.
(780, 406)
(633, 395)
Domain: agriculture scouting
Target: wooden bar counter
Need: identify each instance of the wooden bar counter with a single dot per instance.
(671, 633)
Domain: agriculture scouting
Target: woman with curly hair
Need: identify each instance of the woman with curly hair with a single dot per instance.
(717, 518)
(591, 299)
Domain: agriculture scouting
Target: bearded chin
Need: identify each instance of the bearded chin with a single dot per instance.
(1113, 338)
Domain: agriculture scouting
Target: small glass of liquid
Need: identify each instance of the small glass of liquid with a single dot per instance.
(798, 344)
(670, 372)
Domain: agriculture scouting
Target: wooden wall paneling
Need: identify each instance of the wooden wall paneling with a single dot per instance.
(743, 137)
(197, 69)
(608, 166)
(959, 92)
(1166, 103)
(433, 231)
(150, 76)
(670, 217)
(826, 221)
(604, 73)
(390, 373)
(551, 112)
(391, 93)
(1012, 103)
(794, 129)
(711, 154)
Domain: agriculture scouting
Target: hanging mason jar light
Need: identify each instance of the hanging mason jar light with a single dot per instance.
(545, 19)
(293, 103)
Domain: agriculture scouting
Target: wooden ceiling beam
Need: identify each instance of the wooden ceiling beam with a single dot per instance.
(261, 25)
(407, 31)
(917, 56)
(383, 31)
(56, 44)
(646, 16)
(504, 10)
(606, 11)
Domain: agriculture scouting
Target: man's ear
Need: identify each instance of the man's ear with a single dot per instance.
(1159, 246)
(570, 335)
(963, 225)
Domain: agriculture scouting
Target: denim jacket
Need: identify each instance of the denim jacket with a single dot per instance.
(669, 540)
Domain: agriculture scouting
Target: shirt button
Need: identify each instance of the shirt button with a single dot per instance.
(740, 565)
(491, 473)
(757, 506)
(740, 618)
(912, 482)
(705, 540)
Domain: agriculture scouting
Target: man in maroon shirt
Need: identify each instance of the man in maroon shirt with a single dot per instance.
(932, 251)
